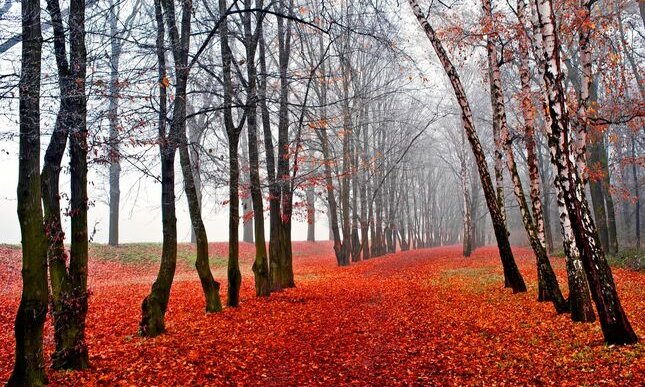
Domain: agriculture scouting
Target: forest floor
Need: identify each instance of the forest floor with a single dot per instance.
(426, 317)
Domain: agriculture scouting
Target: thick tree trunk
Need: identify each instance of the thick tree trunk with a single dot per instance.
(614, 323)
(29, 366)
(281, 267)
(512, 275)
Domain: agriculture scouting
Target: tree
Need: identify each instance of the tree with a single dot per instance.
(29, 367)
(153, 308)
(233, 134)
(251, 39)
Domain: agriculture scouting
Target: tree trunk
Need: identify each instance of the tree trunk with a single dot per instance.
(153, 308)
(260, 265)
(29, 366)
(512, 275)
(467, 204)
(281, 268)
(247, 201)
(113, 118)
(311, 214)
(365, 211)
(637, 212)
(233, 134)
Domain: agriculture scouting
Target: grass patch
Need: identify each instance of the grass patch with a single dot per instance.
(633, 259)
(130, 253)
(628, 258)
(147, 253)
(476, 279)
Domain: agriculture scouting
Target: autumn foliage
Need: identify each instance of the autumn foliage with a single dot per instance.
(425, 317)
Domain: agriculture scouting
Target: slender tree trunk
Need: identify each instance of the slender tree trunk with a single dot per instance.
(364, 220)
(346, 166)
(311, 214)
(609, 200)
(233, 134)
(467, 203)
(546, 198)
(512, 275)
(113, 118)
(275, 220)
(598, 197)
(29, 366)
(247, 201)
(195, 132)
(637, 212)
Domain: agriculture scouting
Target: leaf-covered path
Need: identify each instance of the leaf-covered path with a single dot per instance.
(427, 317)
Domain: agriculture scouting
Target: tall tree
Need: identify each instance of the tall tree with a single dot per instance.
(233, 134)
(180, 43)
(118, 32)
(251, 39)
(280, 254)
(29, 366)
(153, 308)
